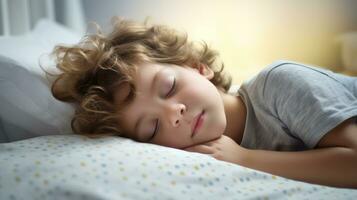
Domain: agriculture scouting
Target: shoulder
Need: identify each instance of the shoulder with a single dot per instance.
(284, 69)
(285, 75)
(284, 79)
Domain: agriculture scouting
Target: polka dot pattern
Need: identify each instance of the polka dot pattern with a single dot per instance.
(75, 167)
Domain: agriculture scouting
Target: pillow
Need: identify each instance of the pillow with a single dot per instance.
(75, 167)
(27, 107)
(233, 90)
(32, 49)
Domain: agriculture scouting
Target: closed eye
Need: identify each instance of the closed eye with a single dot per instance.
(172, 88)
(157, 125)
(155, 130)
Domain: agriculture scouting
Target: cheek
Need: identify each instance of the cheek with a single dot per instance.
(217, 125)
(173, 138)
(200, 88)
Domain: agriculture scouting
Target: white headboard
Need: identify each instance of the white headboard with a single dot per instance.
(20, 16)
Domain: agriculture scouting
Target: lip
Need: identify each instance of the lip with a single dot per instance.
(198, 121)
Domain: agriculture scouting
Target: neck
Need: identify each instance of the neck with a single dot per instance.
(235, 114)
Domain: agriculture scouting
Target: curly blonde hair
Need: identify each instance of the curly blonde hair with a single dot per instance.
(92, 70)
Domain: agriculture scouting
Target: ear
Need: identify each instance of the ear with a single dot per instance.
(205, 71)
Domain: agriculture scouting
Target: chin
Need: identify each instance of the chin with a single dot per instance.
(215, 135)
(221, 126)
(218, 134)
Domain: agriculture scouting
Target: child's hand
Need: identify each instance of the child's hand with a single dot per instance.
(223, 148)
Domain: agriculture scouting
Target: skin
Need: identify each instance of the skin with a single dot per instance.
(223, 128)
(176, 107)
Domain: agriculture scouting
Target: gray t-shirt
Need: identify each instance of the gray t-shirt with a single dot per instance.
(291, 106)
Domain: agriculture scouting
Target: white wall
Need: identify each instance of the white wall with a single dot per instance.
(249, 33)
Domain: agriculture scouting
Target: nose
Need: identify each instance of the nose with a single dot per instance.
(175, 113)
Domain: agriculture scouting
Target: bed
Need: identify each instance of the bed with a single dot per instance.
(40, 158)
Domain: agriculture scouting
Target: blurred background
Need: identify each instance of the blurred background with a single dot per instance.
(249, 34)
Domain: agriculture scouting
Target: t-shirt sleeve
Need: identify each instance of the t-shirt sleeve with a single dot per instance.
(308, 101)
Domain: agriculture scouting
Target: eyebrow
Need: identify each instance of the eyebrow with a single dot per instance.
(153, 83)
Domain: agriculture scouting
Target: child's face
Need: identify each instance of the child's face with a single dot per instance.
(170, 99)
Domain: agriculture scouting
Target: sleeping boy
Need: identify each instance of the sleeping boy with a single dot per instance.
(151, 84)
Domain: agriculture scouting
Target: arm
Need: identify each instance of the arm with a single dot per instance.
(333, 163)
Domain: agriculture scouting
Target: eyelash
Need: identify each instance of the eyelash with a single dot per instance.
(157, 127)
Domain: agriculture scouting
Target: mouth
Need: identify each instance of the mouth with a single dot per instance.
(197, 123)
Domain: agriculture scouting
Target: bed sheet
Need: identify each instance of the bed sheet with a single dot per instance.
(76, 167)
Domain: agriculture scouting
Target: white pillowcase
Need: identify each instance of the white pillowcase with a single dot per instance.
(27, 107)
(111, 168)
(32, 49)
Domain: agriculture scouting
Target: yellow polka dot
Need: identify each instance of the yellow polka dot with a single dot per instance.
(161, 167)
(153, 184)
(182, 173)
(143, 163)
(196, 167)
(37, 175)
(173, 183)
(45, 182)
(17, 179)
(273, 177)
(144, 175)
(125, 178)
(121, 169)
(37, 162)
(83, 164)
(266, 198)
